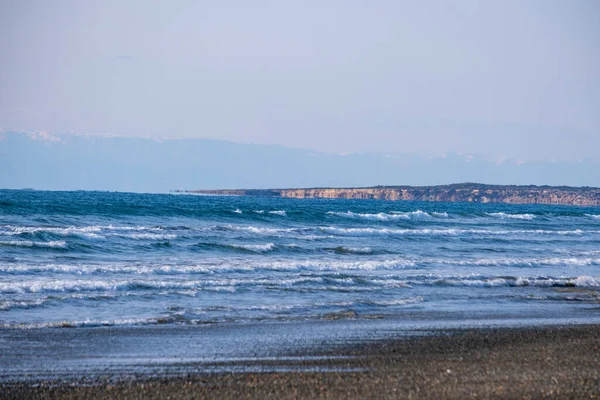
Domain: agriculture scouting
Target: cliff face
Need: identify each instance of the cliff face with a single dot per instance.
(472, 193)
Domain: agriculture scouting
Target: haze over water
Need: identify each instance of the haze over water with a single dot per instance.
(98, 258)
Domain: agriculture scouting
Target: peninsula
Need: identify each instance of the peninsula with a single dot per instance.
(461, 192)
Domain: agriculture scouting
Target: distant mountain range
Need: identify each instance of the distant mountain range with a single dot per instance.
(42, 160)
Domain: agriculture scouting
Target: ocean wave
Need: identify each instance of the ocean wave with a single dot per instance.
(91, 269)
(595, 216)
(394, 215)
(237, 211)
(278, 212)
(387, 231)
(514, 262)
(395, 302)
(57, 244)
(312, 237)
(83, 285)
(350, 250)
(149, 236)
(335, 265)
(580, 281)
(295, 265)
(127, 285)
(254, 229)
(584, 281)
(6, 305)
(511, 216)
(256, 248)
(439, 214)
(301, 233)
(93, 231)
(215, 314)
(90, 232)
(449, 231)
(419, 214)
(82, 323)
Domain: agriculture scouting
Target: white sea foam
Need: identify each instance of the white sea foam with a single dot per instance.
(507, 262)
(391, 216)
(296, 265)
(313, 237)
(86, 231)
(397, 302)
(259, 211)
(375, 217)
(511, 216)
(332, 265)
(440, 214)
(164, 286)
(238, 211)
(92, 269)
(387, 231)
(57, 244)
(149, 236)
(359, 250)
(131, 228)
(6, 305)
(98, 285)
(257, 248)
(542, 281)
(254, 229)
(278, 212)
(90, 232)
(448, 231)
(595, 216)
(82, 323)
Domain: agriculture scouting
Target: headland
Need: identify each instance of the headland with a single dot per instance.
(460, 192)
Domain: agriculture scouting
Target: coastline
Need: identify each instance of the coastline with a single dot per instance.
(453, 193)
(505, 362)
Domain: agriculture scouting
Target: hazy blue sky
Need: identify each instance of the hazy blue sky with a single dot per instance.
(517, 79)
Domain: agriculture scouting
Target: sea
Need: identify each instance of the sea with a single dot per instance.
(84, 259)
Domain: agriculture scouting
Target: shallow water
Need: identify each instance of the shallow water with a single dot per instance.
(90, 259)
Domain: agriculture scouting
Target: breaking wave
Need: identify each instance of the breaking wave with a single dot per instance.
(58, 244)
(511, 216)
(256, 248)
(278, 212)
(394, 215)
(350, 250)
(450, 231)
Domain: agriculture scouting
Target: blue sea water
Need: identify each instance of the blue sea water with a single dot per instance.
(87, 259)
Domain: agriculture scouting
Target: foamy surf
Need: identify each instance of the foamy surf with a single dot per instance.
(257, 248)
(391, 216)
(281, 213)
(503, 215)
(89, 259)
(57, 244)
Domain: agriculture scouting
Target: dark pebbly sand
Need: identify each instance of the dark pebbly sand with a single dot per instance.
(555, 362)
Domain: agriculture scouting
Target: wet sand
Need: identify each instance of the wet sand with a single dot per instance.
(559, 362)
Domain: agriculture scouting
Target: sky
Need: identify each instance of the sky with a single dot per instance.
(506, 79)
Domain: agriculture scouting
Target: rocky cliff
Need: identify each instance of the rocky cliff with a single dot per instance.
(464, 192)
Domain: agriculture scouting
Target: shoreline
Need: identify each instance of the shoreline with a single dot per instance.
(557, 361)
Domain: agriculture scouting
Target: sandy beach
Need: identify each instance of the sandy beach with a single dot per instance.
(557, 362)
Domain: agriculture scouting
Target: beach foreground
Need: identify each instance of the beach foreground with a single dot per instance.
(561, 362)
